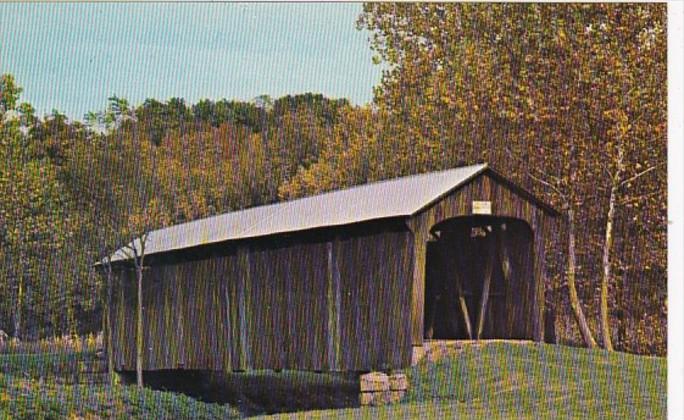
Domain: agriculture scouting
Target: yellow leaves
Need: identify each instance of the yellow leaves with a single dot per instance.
(561, 36)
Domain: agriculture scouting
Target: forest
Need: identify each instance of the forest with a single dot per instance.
(570, 101)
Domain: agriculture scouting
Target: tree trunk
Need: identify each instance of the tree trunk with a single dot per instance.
(71, 316)
(574, 299)
(607, 269)
(139, 330)
(19, 306)
(110, 346)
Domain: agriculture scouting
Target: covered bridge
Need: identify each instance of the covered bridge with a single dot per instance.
(351, 280)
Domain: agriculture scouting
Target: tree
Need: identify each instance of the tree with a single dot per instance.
(634, 105)
(350, 155)
(467, 82)
(118, 112)
(143, 212)
(96, 166)
(9, 93)
(34, 221)
(115, 176)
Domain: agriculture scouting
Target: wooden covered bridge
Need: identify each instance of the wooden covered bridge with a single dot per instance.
(351, 280)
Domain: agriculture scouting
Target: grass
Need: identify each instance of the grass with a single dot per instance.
(500, 380)
(41, 365)
(28, 391)
(28, 399)
(493, 380)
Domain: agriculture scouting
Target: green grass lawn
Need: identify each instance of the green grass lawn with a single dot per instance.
(500, 380)
(37, 365)
(29, 399)
(494, 380)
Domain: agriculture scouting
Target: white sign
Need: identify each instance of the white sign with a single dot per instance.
(482, 207)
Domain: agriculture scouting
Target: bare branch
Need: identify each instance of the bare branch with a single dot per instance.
(640, 174)
(548, 184)
(539, 171)
(124, 249)
(639, 198)
(608, 173)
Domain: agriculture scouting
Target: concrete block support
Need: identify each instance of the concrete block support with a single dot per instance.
(378, 388)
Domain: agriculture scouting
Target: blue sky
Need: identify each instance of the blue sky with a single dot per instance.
(73, 56)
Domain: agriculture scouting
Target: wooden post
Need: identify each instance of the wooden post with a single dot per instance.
(121, 359)
(463, 305)
(108, 336)
(243, 298)
(431, 317)
(139, 330)
(506, 269)
(429, 332)
(182, 349)
(224, 279)
(458, 289)
(538, 252)
(489, 268)
(334, 300)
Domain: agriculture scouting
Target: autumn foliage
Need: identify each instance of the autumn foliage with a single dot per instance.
(567, 100)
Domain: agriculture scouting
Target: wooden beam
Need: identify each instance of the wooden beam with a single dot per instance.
(489, 268)
(458, 288)
(429, 333)
(334, 301)
(507, 271)
(464, 307)
(180, 307)
(420, 229)
(539, 228)
(432, 298)
(243, 297)
(223, 279)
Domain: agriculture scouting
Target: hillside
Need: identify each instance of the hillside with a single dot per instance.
(492, 380)
(503, 380)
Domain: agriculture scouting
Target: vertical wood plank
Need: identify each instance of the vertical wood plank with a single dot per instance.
(539, 276)
(420, 237)
(243, 310)
(331, 298)
(507, 271)
(233, 286)
(226, 307)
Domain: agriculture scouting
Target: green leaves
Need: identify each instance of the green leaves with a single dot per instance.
(9, 93)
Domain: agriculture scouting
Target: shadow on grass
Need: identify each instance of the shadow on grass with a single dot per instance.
(259, 392)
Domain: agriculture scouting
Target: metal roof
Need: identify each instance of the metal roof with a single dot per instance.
(396, 197)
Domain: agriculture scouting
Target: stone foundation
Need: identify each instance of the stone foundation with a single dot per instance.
(378, 388)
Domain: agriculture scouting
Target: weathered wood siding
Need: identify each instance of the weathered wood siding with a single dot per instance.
(375, 278)
(506, 202)
(298, 302)
(183, 327)
(347, 298)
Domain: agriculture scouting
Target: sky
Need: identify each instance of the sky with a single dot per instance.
(72, 57)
